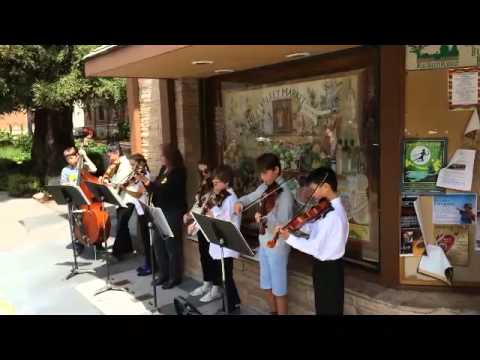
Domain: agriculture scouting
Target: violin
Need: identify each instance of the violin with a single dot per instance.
(111, 171)
(313, 214)
(267, 203)
(215, 200)
(140, 169)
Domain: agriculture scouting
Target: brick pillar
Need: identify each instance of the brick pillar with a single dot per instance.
(187, 107)
(134, 115)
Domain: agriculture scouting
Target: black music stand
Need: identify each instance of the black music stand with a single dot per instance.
(156, 222)
(106, 194)
(225, 234)
(70, 195)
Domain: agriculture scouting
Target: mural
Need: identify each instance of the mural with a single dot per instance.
(308, 124)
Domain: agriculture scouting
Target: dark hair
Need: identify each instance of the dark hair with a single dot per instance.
(224, 173)
(173, 155)
(323, 175)
(140, 159)
(70, 148)
(114, 147)
(268, 161)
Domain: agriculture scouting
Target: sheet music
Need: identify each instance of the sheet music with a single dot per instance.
(79, 189)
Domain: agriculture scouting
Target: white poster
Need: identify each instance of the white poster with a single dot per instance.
(458, 174)
(455, 209)
(465, 88)
(477, 235)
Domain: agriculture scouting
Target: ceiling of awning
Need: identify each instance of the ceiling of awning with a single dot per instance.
(175, 61)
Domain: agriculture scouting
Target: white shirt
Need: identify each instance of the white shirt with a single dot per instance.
(328, 236)
(226, 212)
(124, 170)
(142, 199)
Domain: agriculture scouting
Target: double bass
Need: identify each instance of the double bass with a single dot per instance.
(95, 220)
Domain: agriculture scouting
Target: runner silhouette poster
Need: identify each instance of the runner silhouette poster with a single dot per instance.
(422, 161)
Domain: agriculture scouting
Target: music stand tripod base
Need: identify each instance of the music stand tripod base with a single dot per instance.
(74, 272)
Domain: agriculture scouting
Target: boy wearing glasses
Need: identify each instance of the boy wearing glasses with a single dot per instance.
(328, 237)
(69, 176)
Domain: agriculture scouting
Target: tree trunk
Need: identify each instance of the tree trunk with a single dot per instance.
(53, 134)
(30, 116)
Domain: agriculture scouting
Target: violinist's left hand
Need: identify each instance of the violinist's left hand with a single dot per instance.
(283, 233)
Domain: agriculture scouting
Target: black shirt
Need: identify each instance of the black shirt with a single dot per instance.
(169, 190)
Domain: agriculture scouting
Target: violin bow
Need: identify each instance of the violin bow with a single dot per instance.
(267, 195)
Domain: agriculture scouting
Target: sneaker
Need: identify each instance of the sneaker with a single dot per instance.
(202, 290)
(213, 294)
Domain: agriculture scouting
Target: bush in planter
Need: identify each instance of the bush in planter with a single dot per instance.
(20, 185)
(5, 165)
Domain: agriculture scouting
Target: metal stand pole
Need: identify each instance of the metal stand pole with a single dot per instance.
(225, 297)
(75, 270)
(152, 265)
(109, 285)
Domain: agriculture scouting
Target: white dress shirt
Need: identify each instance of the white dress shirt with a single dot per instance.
(121, 176)
(328, 236)
(225, 212)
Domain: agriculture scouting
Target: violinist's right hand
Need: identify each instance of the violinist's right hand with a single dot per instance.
(186, 218)
(238, 208)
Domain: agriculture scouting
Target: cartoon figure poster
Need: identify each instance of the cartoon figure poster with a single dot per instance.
(422, 161)
(455, 209)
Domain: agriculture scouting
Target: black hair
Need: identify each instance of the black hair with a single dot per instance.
(70, 148)
(114, 147)
(224, 173)
(323, 175)
(268, 161)
(173, 155)
(140, 159)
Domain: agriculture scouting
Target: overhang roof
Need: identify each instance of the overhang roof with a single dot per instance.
(175, 61)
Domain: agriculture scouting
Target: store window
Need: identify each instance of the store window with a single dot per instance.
(311, 122)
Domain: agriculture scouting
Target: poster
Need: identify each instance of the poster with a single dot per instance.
(453, 239)
(477, 235)
(455, 209)
(458, 174)
(422, 161)
(411, 243)
(359, 232)
(463, 88)
(424, 57)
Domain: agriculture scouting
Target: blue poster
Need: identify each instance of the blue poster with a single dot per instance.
(455, 209)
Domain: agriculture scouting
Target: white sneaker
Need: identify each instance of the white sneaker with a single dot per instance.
(213, 294)
(202, 290)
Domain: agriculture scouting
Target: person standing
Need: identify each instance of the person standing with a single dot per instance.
(168, 192)
(326, 244)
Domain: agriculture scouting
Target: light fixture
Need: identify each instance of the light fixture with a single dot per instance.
(297, 55)
(202, 62)
(223, 71)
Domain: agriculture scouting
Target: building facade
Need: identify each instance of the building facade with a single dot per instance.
(345, 106)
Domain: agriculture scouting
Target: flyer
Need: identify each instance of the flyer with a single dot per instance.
(464, 88)
(455, 209)
(477, 235)
(453, 239)
(458, 174)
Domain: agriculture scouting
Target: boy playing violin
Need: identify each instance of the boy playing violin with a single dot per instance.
(273, 261)
(326, 243)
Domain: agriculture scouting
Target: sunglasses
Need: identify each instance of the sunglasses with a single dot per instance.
(71, 155)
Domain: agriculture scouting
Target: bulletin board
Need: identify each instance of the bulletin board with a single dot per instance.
(427, 115)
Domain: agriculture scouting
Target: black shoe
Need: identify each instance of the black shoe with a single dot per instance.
(170, 284)
(144, 272)
(158, 282)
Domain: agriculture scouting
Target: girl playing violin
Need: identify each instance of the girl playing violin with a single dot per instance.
(273, 261)
(326, 243)
(201, 199)
(222, 208)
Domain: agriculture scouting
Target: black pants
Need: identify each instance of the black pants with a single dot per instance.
(123, 241)
(328, 283)
(231, 289)
(168, 252)
(208, 265)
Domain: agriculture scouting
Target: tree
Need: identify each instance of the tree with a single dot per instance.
(47, 80)
(417, 49)
(444, 51)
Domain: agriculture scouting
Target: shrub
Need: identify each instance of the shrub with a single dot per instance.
(13, 153)
(20, 185)
(6, 164)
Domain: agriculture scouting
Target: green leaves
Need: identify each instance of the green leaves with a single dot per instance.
(51, 77)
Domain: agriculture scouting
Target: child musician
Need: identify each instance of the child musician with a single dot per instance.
(223, 209)
(203, 195)
(326, 243)
(273, 261)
